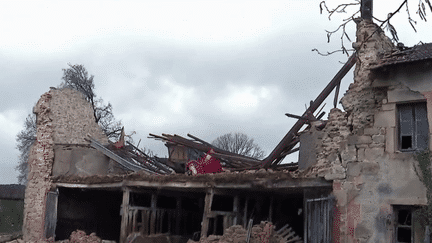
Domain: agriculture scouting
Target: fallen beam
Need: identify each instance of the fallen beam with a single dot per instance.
(282, 146)
(129, 165)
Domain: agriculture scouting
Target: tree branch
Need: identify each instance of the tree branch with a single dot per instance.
(342, 27)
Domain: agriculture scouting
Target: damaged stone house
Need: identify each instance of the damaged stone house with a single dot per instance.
(355, 180)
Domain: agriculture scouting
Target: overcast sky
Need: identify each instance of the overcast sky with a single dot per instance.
(200, 67)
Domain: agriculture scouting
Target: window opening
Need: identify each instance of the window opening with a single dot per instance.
(403, 225)
(413, 127)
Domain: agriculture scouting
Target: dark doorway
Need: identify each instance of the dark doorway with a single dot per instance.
(89, 210)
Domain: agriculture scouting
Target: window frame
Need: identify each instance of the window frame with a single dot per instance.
(415, 108)
(396, 210)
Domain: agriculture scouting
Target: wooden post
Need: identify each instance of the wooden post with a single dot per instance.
(153, 214)
(146, 222)
(178, 216)
(207, 208)
(236, 209)
(366, 9)
(160, 217)
(125, 214)
(271, 209)
(51, 213)
(245, 213)
(336, 95)
(134, 220)
(225, 223)
(143, 223)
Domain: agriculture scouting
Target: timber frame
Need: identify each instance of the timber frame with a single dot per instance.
(152, 219)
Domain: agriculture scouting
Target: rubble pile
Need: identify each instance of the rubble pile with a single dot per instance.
(80, 236)
(260, 233)
(361, 100)
(329, 160)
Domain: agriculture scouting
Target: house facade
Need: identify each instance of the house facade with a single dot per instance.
(369, 150)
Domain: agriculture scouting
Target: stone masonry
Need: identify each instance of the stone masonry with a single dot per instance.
(358, 154)
(40, 166)
(63, 117)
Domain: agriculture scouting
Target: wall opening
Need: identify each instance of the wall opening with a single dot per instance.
(238, 208)
(89, 210)
(163, 211)
(413, 126)
(403, 218)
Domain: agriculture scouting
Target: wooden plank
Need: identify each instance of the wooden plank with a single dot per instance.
(336, 94)
(286, 232)
(207, 208)
(307, 119)
(142, 223)
(199, 146)
(124, 213)
(152, 222)
(225, 223)
(213, 214)
(51, 213)
(130, 221)
(282, 146)
(127, 164)
(146, 218)
(249, 230)
(282, 229)
(135, 220)
(201, 141)
(295, 239)
(161, 219)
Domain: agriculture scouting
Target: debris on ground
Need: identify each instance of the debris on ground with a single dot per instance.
(260, 233)
(80, 236)
(11, 237)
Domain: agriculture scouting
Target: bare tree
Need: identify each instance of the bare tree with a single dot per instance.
(76, 77)
(25, 139)
(239, 143)
(385, 24)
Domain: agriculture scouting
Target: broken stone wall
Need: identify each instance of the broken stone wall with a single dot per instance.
(40, 163)
(63, 117)
(73, 118)
(359, 151)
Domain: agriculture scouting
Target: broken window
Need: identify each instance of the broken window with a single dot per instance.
(404, 232)
(413, 127)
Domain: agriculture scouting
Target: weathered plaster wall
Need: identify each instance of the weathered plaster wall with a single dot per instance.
(359, 147)
(63, 117)
(80, 161)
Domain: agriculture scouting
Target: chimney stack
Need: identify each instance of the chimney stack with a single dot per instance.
(366, 9)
